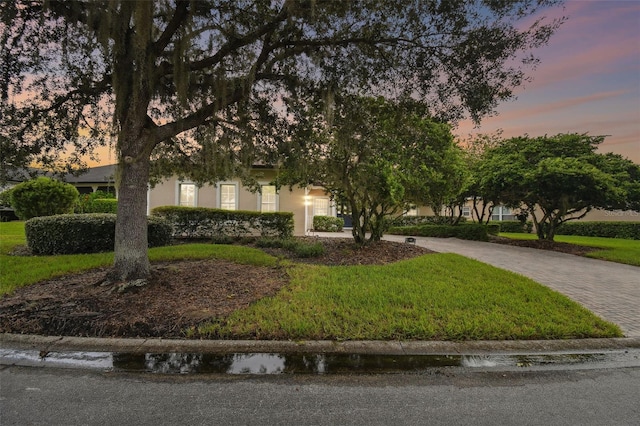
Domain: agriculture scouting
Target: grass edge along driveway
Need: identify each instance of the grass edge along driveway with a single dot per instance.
(613, 249)
(432, 297)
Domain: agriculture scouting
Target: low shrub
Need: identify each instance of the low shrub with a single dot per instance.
(466, 231)
(328, 223)
(5, 198)
(514, 226)
(85, 233)
(306, 250)
(96, 202)
(424, 220)
(493, 229)
(200, 222)
(626, 230)
(42, 197)
(103, 205)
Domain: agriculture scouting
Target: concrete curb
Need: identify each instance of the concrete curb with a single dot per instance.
(90, 344)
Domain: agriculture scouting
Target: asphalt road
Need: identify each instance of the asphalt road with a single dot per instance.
(50, 396)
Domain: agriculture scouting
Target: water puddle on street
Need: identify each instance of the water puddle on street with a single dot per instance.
(269, 363)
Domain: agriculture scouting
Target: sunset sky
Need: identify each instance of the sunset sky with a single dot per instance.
(588, 80)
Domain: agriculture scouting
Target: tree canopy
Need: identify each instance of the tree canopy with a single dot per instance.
(562, 177)
(201, 86)
(375, 156)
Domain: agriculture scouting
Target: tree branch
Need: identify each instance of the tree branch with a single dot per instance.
(181, 13)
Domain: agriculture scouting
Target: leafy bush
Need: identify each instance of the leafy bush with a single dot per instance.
(199, 222)
(626, 230)
(306, 250)
(493, 229)
(96, 202)
(43, 197)
(5, 198)
(328, 223)
(84, 233)
(515, 226)
(424, 220)
(467, 231)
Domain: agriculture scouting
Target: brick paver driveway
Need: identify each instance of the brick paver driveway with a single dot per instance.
(611, 290)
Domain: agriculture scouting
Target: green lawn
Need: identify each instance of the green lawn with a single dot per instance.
(436, 296)
(432, 297)
(613, 249)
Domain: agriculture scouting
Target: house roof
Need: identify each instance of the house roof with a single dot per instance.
(98, 174)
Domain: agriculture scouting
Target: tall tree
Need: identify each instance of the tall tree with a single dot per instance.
(559, 178)
(374, 155)
(197, 83)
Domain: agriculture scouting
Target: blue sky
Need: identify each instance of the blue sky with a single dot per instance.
(588, 80)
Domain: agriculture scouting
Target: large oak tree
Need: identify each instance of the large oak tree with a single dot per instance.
(199, 83)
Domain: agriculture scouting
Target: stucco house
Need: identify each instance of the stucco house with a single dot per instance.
(304, 203)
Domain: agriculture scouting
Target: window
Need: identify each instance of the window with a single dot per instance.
(228, 197)
(269, 198)
(466, 211)
(321, 207)
(502, 213)
(187, 194)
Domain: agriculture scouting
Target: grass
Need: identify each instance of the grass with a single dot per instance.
(432, 297)
(613, 249)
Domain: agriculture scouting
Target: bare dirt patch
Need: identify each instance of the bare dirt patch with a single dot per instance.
(179, 295)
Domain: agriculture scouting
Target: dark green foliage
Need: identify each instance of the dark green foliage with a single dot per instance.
(103, 205)
(43, 197)
(626, 230)
(493, 228)
(5, 198)
(200, 222)
(561, 177)
(328, 223)
(424, 220)
(84, 233)
(305, 250)
(467, 231)
(515, 226)
(96, 202)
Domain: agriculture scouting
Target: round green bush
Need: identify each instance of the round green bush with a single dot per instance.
(43, 197)
(85, 233)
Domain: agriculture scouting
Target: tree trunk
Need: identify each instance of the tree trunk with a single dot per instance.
(131, 257)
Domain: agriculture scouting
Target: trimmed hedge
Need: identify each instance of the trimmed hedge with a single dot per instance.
(328, 224)
(466, 231)
(626, 230)
(84, 233)
(200, 222)
(514, 226)
(424, 220)
(102, 205)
